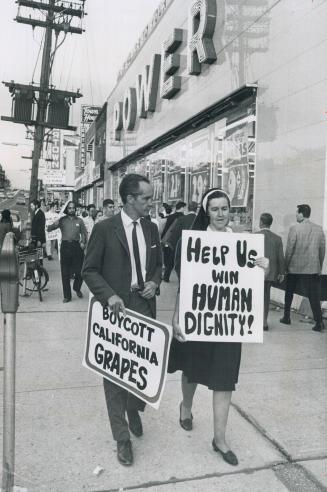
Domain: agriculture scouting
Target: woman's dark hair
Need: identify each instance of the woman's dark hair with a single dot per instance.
(6, 216)
(130, 185)
(201, 221)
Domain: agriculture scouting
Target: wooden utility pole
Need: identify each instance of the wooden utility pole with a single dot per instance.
(59, 19)
(42, 106)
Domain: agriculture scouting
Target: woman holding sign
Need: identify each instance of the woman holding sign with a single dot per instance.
(213, 364)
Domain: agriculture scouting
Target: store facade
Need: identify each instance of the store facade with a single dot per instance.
(228, 93)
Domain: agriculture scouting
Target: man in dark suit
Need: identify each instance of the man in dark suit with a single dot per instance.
(274, 252)
(183, 223)
(304, 258)
(168, 253)
(38, 224)
(122, 268)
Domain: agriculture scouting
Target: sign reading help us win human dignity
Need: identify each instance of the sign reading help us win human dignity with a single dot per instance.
(131, 351)
(221, 290)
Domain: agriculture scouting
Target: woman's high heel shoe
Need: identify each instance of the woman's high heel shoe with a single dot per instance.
(186, 424)
(229, 456)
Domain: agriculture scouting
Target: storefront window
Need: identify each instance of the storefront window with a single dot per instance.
(222, 154)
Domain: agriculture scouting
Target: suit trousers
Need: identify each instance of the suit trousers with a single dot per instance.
(267, 288)
(119, 400)
(169, 260)
(71, 262)
(312, 282)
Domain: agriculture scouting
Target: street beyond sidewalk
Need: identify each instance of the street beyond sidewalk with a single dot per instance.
(277, 424)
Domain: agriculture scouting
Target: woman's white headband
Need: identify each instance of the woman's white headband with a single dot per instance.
(205, 199)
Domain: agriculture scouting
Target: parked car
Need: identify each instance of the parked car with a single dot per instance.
(20, 201)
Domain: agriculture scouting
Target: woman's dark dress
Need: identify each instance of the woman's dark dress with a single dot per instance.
(213, 364)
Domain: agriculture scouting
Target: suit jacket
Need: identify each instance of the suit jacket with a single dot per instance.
(38, 227)
(107, 267)
(273, 246)
(305, 250)
(183, 223)
(170, 219)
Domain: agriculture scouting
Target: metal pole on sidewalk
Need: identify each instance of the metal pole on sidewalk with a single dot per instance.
(9, 349)
(9, 278)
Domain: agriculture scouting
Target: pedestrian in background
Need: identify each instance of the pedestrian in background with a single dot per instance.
(6, 225)
(182, 223)
(304, 257)
(99, 216)
(50, 217)
(89, 221)
(108, 206)
(166, 210)
(273, 247)
(38, 224)
(74, 239)
(122, 268)
(168, 253)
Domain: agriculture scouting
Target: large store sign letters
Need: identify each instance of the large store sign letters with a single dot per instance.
(163, 70)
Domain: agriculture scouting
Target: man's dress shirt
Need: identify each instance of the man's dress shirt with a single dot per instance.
(128, 227)
(72, 229)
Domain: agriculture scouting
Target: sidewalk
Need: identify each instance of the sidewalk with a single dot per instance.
(277, 424)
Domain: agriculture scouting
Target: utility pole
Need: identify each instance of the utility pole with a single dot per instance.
(42, 106)
(52, 105)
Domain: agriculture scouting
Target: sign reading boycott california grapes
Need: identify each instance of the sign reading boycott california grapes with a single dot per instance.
(131, 351)
(221, 290)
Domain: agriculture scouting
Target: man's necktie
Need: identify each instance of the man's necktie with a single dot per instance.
(136, 253)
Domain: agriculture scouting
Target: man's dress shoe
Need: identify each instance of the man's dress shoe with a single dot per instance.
(319, 326)
(285, 320)
(135, 423)
(79, 294)
(125, 453)
(66, 299)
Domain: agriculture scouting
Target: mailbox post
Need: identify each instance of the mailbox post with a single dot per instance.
(9, 285)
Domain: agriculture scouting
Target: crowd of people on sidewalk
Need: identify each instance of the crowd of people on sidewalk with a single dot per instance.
(123, 255)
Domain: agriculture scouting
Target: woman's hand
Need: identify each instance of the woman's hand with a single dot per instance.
(263, 262)
(177, 331)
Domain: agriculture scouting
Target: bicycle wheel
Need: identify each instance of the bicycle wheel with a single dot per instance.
(39, 280)
(44, 277)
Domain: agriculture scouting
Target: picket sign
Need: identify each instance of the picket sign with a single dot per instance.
(131, 351)
(221, 290)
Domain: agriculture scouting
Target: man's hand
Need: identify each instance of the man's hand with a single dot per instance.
(82, 245)
(149, 290)
(116, 304)
(38, 244)
(280, 278)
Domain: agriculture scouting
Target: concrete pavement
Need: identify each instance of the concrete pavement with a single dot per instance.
(277, 424)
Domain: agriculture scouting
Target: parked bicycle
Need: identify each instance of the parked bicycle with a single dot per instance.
(33, 276)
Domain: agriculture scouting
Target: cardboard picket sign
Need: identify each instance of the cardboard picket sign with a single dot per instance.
(221, 290)
(131, 351)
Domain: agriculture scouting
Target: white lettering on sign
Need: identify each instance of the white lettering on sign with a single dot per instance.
(170, 83)
(129, 109)
(147, 85)
(202, 22)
